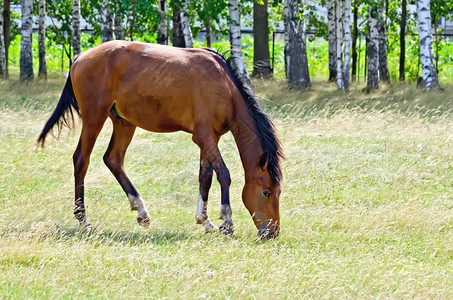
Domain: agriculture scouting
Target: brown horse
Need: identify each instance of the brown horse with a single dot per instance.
(166, 89)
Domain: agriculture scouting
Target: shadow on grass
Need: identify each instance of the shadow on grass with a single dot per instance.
(106, 236)
(95, 235)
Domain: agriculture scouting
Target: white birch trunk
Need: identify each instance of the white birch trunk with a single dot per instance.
(3, 73)
(295, 48)
(373, 50)
(107, 22)
(384, 73)
(429, 75)
(76, 27)
(286, 12)
(331, 26)
(347, 44)
(42, 73)
(162, 29)
(26, 57)
(185, 23)
(236, 41)
(339, 43)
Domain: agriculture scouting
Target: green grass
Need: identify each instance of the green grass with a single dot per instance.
(366, 207)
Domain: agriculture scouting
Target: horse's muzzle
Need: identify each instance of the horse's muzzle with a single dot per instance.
(268, 230)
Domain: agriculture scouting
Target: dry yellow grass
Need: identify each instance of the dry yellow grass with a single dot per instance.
(367, 207)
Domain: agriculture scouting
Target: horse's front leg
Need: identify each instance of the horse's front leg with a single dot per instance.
(223, 176)
(210, 150)
(205, 180)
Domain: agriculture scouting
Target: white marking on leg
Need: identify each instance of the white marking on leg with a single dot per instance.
(138, 204)
(201, 213)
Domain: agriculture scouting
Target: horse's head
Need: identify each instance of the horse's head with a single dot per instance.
(261, 197)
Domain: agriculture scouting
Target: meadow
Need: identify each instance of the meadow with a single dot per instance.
(366, 204)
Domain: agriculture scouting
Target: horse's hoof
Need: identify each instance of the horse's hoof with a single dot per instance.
(209, 226)
(85, 224)
(226, 229)
(143, 221)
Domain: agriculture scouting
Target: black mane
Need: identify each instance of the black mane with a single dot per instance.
(269, 139)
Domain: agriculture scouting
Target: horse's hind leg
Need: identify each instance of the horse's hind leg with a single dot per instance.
(205, 179)
(122, 135)
(81, 159)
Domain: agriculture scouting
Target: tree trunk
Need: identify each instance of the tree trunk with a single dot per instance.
(132, 24)
(76, 27)
(185, 23)
(178, 36)
(339, 43)
(162, 29)
(295, 47)
(118, 22)
(42, 73)
(236, 41)
(3, 73)
(403, 40)
(347, 44)
(436, 41)
(208, 36)
(7, 30)
(26, 57)
(373, 49)
(429, 76)
(384, 74)
(261, 58)
(107, 22)
(354, 41)
(331, 26)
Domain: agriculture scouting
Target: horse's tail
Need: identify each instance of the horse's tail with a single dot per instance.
(63, 112)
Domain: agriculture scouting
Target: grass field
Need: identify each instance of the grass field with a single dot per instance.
(366, 207)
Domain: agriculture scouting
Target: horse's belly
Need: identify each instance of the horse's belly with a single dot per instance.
(156, 117)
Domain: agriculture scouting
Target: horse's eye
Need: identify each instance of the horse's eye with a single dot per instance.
(266, 194)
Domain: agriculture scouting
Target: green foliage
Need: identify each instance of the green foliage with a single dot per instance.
(142, 17)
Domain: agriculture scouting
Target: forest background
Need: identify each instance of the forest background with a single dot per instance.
(210, 25)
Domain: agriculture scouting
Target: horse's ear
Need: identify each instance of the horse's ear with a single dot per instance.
(263, 160)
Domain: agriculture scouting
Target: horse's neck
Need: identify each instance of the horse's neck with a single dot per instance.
(247, 138)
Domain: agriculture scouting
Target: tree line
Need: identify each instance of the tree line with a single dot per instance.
(175, 22)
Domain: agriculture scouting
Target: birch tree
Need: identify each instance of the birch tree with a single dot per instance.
(347, 44)
(3, 73)
(429, 76)
(76, 27)
(332, 40)
(162, 29)
(384, 74)
(26, 57)
(107, 22)
(296, 62)
(185, 24)
(42, 73)
(236, 41)
(339, 43)
(373, 49)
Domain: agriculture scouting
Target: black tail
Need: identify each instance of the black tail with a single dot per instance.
(63, 110)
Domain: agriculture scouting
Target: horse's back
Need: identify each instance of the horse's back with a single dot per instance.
(158, 88)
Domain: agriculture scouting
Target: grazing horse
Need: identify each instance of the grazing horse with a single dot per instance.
(165, 89)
